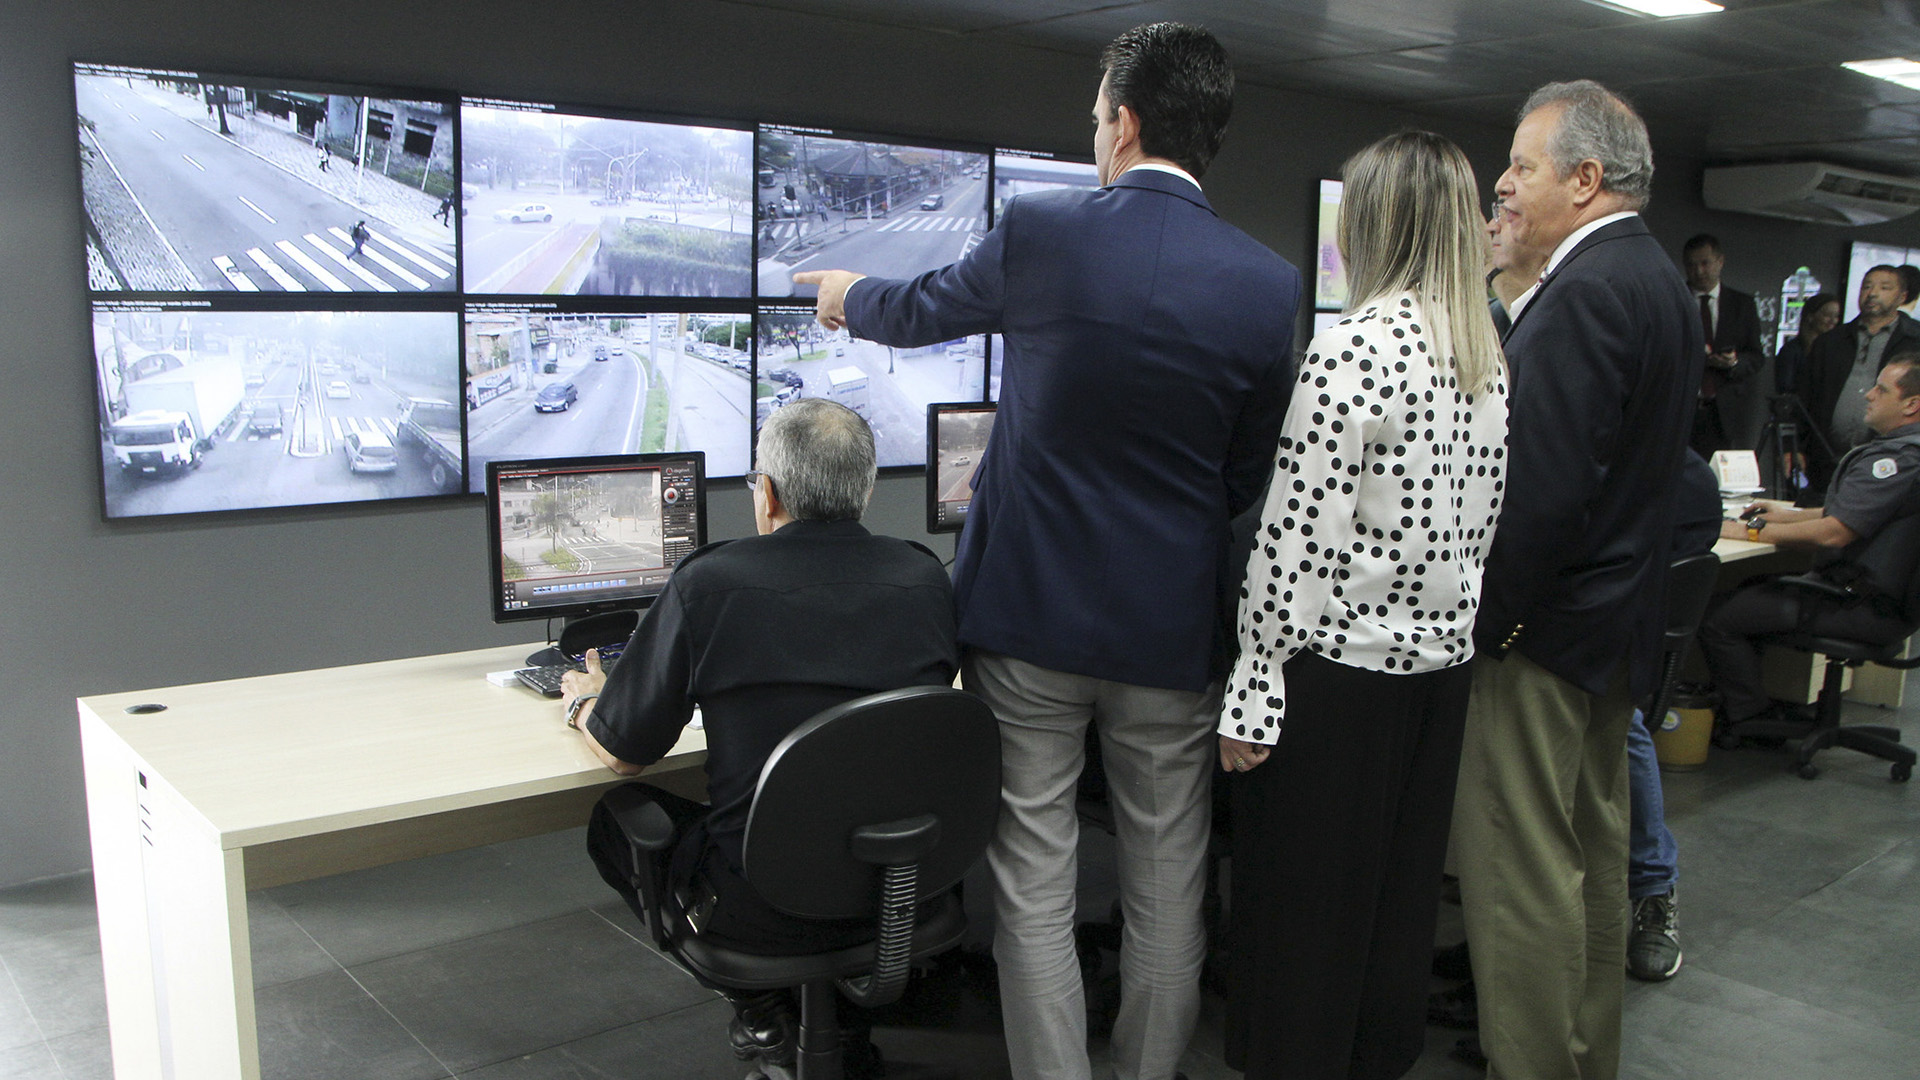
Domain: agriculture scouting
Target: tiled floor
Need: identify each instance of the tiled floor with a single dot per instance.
(1800, 913)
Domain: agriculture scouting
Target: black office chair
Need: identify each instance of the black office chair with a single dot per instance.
(868, 810)
(1886, 567)
(1690, 583)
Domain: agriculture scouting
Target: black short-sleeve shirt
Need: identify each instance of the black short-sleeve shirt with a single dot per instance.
(764, 632)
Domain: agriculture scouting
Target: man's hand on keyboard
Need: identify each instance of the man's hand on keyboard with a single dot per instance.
(575, 683)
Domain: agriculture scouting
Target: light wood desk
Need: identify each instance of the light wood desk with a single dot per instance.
(249, 783)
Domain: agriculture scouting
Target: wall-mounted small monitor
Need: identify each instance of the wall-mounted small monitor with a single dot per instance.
(569, 537)
(829, 200)
(956, 444)
(1330, 271)
(550, 380)
(195, 182)
(579, 203)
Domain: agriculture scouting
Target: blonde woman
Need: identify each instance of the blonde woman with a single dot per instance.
(1343, 717)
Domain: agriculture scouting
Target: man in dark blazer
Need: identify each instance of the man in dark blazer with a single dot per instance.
(1148, 368)
(1844, 362)
(1733, 391)
(1606, 355)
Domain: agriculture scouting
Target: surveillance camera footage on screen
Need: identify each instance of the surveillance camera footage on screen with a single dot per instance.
(196, 182)
(877, 208)
(544, 383)
(582, 205)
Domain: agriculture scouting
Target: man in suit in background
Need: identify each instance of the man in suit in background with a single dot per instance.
(1733, 391)
(1148, 368)
(1606, 355)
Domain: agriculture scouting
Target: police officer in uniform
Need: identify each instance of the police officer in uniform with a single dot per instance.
(1875, 484)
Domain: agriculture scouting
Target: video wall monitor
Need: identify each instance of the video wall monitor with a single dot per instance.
(578, 536)
(546, 380)
(1016, 172)
(799, 358)
(885, 209)
(204, 409)
(194, 182)
(583, 204)
(1865, 257)
(956, 443)
(1330, 271)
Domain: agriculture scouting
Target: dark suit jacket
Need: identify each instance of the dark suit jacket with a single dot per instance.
(1606, 361)
(1740, 399)
(1149, 362)
(1824, 375)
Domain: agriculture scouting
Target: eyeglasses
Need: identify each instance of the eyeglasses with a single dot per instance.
(753, 478)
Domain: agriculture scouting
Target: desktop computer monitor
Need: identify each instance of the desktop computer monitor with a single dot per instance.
(580, 536)
(956, 442)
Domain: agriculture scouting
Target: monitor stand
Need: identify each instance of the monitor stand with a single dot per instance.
(587, 632)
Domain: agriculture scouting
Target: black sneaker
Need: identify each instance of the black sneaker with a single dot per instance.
(1653, 949)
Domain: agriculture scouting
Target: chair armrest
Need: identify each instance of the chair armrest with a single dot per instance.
(1817, 586)
(648, 831)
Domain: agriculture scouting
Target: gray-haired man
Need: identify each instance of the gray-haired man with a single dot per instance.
(1605, 356)
(762, 633)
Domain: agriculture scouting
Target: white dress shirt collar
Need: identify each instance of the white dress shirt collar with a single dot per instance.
(1157, 167)
(1560, 253)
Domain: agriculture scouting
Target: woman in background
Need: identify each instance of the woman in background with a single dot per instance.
(1818, 315)
(1343, 717)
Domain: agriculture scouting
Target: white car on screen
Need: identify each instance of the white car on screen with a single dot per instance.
(338, 389)
(530, 211)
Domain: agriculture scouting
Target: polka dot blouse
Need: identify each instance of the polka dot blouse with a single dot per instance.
(1378, 520)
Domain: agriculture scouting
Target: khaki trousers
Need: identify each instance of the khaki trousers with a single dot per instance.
(1540, 840)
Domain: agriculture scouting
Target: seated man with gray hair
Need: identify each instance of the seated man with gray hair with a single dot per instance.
(762, 633)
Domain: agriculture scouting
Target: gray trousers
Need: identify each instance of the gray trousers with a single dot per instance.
(1157, 745)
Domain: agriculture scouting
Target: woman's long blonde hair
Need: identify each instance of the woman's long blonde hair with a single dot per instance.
(1409, 222)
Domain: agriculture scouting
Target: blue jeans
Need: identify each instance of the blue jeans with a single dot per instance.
(1652, 856)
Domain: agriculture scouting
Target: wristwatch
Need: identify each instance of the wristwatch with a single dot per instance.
(573, 710)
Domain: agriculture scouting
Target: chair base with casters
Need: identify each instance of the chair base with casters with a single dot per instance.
(846, 823)
(1824, 729)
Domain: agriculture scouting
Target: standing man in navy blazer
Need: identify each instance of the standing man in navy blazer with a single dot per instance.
(1149, 362)
(1605, 357)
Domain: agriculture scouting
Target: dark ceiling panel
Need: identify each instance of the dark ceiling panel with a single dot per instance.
(1759, 80)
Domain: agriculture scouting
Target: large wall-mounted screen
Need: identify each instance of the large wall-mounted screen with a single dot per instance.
(308, 292)
(204, 183)
(579, 204)
(887, 209)
(542, 382)
(208, 410)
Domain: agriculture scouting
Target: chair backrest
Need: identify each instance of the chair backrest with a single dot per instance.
(1690, 581)
(884, 758)
(1889, 560)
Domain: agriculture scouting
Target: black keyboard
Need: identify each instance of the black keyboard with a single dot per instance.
(544, 679)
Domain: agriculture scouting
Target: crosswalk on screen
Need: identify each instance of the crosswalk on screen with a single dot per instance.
(202, 183)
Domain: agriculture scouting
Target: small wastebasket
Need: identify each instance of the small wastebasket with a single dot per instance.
(1680, 738)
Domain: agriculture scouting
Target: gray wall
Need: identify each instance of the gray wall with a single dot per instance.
(96, 608)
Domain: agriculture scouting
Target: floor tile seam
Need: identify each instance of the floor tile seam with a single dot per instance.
(1826, 1013)
(401, 1024)
(25, 1002)
(362, 987)
(576, 1040)
(1887, 849)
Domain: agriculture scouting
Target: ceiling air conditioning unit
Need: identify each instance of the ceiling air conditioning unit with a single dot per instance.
(1811, 191)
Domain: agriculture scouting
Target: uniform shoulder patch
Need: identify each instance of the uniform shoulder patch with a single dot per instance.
(1884, 468)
